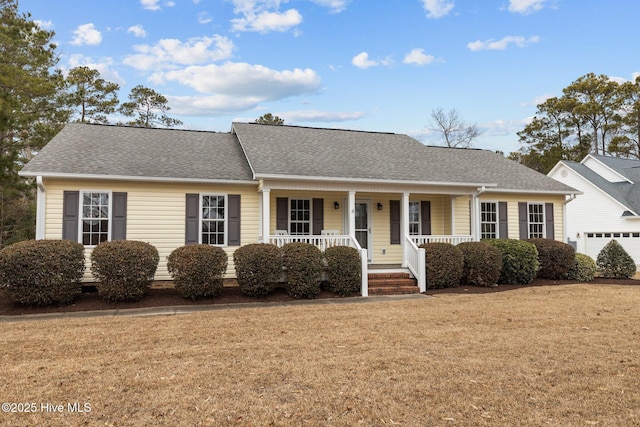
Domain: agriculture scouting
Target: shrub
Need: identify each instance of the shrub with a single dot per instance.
(303, 263)
(520, 263)
(444, 264)
(556, 258)
(123, 269)
(482, 264)
(614, 262)
(197, 270)
(583, 269)
(344, 270)
(41, 272)
(258, 267)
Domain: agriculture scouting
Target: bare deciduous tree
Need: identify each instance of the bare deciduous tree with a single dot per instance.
(456, 133)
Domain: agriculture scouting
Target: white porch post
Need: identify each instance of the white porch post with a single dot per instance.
(475, 217)
(404, 226)
(266, 208)
(351, 206)
(41, 203)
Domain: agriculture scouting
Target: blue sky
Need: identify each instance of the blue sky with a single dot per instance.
(378, 65)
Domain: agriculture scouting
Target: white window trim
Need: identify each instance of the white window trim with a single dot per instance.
(226, 217)
(81, 215)
(497, 204)
(310, 214)
(544, 219)
(419, 202)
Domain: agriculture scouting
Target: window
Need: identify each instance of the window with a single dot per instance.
(536, 220)
(95, 217)
(300, 216)
(414, 218)
(489, 220)
(212, 223)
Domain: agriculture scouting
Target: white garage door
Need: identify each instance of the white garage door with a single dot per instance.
(630, 241)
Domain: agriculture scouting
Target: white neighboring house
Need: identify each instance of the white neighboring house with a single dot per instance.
(609, 206)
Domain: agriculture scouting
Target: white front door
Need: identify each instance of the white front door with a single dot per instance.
(363, 226)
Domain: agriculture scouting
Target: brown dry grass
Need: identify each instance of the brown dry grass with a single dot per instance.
(566, 355)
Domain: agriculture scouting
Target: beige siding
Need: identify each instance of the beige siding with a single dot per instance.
(462, 215)
(512, 210)
(155, 213)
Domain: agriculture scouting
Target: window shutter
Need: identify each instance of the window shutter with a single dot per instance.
(282, 213)
(70, 211)
(425, 211)
(503, 223)
(394, 224)
(119, 216)
(318, 216)
(523, 220)
(191, 219)
(233, 212)
(549, 223)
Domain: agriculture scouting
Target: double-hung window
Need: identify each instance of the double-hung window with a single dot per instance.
(95, 217)
(414, 218)
(489, 220)
(300, 216)
(536, 220)
(213, 219)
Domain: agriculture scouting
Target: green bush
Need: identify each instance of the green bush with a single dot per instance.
(444, 264)
(520, 263)
(41, 272)
(303, 263)
(556, 258)
(344, 270)
(482, 264)
(197, 270)
(583, 269)
(258, 268)
(123, 269)
(614, 262)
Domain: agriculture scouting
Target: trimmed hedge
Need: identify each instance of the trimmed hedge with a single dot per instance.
(258, 268)
(556, 258)
(42, 272)
(614, 262)
(482, 264)
(304, 264)
(583, 269)
(520, 263)
(344, 270)
(123, 269)
(197, 270)
(444, 263)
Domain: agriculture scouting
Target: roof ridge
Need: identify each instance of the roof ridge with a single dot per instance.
(114, 125)
(319, 128)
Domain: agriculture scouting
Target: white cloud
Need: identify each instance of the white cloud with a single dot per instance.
(526, 6)
(265, 21)
(150, 4)
(362, 60)
(103, 65)
(45, 25)
(321, 116)
(503, 43)
(437, 8)
(204, 18)
(206, 106)
(86, 34)
(335, 6)
(169, 53)
(418, 57)
(137, 31)
(254, 82)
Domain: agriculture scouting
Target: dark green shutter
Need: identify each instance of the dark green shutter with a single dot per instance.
(318, 216)
(119, 216)
(425, 212)
(233, 212)
(394, 223)
(523, 220)
(282, 213)
(191, 219)
(70, 211)
(549, 223)
(503, 223)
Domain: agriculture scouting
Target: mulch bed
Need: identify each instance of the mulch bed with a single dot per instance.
(162, 296)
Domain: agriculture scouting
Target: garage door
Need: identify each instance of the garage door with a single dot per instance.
(630, 241)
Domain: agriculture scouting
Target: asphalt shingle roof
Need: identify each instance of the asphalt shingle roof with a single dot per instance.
(140, 152)
(345, 154)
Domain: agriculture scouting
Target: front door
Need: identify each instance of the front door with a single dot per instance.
(363, 226)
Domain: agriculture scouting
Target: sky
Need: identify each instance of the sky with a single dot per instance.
(374, 65)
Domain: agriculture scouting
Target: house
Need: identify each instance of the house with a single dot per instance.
(382, 193)
(609, 206)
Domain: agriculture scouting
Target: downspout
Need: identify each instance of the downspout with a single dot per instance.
(475, 214)
(564, 216)
(41, 199)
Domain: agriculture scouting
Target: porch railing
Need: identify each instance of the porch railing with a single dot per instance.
(323, 242)
(453, 239)
(416, 263)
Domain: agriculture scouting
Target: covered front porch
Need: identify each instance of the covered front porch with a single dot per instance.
(386, 226)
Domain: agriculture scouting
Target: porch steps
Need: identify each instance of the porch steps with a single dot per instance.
(392, 283)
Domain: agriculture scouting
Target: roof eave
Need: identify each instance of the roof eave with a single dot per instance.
(371, 181)
(523, 191)
(136, 178)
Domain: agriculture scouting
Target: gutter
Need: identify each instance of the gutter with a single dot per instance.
(564, 215)
(41, 201)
